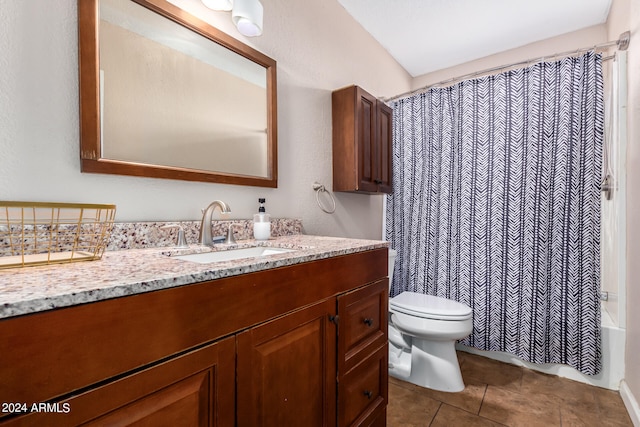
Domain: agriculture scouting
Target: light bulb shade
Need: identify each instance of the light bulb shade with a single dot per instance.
(218, 4)
(247, 15)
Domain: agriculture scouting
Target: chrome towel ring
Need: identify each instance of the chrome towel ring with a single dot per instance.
(319, 188)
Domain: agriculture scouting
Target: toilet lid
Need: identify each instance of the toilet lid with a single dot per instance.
(429, 306)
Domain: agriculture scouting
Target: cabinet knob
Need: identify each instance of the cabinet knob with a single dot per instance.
(377, 181)
(368, 321)
(368, 393)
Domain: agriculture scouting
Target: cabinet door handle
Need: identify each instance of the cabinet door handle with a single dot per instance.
(368, 321)
(377, 181)
(368, 393)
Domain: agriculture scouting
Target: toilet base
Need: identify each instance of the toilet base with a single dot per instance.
(429, 364)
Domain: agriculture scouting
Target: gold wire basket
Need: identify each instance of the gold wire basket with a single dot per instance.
(40, 233)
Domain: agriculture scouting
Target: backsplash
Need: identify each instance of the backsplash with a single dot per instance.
(140, 235)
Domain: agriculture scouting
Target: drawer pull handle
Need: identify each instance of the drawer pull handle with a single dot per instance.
(368, 393)
(368, 321)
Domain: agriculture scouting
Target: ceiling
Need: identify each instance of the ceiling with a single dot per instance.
(429, 35)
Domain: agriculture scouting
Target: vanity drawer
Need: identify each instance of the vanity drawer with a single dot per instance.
(364, 390)
(363, 322)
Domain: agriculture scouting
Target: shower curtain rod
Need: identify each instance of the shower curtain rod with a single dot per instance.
(622, 43)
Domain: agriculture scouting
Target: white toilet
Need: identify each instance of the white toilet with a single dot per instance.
(423, 330)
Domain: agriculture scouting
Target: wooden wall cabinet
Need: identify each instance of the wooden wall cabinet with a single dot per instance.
(362, 136)
(298, 345)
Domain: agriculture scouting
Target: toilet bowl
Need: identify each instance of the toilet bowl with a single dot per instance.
(423, 330)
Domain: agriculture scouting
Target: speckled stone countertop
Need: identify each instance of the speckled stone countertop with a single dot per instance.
(119, 273)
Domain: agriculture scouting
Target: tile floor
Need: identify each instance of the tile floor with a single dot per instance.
(499, 394)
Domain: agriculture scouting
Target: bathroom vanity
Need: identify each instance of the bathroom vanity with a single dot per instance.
(298, 338)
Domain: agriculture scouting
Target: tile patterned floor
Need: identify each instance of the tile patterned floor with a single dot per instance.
(499, 394)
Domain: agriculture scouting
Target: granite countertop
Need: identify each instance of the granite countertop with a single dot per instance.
(119, 273)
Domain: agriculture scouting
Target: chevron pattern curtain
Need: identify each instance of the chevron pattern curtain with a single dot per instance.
(496, 204)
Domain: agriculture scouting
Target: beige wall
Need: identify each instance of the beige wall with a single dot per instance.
(318, 48)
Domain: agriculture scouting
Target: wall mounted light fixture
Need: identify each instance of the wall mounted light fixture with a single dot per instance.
(246, 14)
(224, 5)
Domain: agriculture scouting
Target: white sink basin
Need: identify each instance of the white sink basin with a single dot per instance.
(232, 254)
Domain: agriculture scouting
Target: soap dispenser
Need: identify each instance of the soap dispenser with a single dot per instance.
(261, 223)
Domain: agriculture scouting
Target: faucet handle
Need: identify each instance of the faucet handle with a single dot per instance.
(230, 238)
(181, 241)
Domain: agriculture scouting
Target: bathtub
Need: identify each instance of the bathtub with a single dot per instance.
(613, 343)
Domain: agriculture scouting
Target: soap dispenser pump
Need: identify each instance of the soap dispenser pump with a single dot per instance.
(261, 223)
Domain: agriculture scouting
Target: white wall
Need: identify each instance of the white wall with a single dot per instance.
(632, 358)
(318, 48)
(625, 15)
(570, 41)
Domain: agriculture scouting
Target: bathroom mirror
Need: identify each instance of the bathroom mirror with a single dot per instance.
(166, 95)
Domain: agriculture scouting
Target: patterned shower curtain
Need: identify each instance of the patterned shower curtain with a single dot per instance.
(496, 204)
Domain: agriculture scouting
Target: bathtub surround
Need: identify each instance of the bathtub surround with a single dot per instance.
(614, 239)
(498, 206)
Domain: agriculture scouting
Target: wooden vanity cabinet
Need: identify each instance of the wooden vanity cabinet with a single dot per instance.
(362, 137)
(296, 345)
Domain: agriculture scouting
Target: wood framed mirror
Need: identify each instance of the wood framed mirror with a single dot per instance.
(165, 95)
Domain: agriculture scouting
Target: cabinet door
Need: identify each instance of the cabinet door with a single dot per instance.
(384, 144)
(367, 141)
(195, 389)
(286, 370)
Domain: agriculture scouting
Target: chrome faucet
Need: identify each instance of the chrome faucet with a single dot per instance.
(205, 226)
